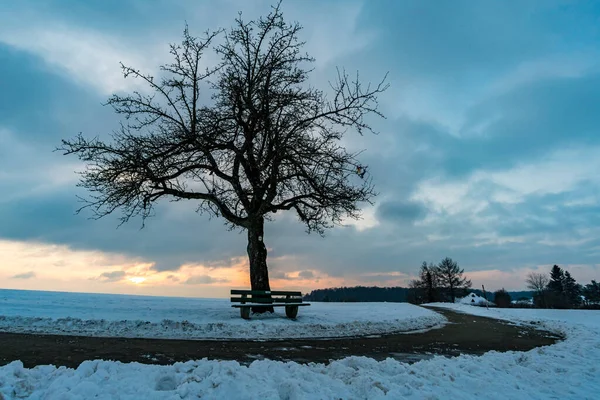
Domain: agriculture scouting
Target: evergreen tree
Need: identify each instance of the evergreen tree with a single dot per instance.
(571, 291)
(420, 283)
(451, 277)
(555, 297)
(562, 289)
(557, 277)
(502, 298)
(591, 291)
(431, 284)
(425, 288)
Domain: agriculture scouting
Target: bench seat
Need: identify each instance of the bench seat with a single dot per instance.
(261, 299)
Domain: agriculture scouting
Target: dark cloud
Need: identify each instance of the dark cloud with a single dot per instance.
(382, 277)
(534, 119)
(279, 275)
(549, 215)
(114, 276)
(202, 259)
(400, 211)
(23, 78)
(306, 274)
(191, 238)
(423, 41)
(204, 280)
(25, 275)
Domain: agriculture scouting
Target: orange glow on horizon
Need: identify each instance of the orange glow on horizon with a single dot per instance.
(41, 266)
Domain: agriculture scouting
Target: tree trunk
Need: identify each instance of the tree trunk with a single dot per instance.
(257, 256)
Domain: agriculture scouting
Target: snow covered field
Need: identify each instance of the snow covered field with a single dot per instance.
(189, 318)
(567, 370)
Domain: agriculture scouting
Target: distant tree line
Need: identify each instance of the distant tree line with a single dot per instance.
(396, 294)
(442, 282)
(559, 289)
(445, 282)
(359, 294)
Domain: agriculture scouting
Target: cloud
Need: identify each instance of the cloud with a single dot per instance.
(25, 178)
(90, 54)
(306, 274)
(89, 57)
(366, 220)
(297, 275)
(52, 259)
(400, 211)
(25, 275)
(204, 280)
(526, 122)
(561, 171)
(329, 42)
(114, 276)
(279, 275)
(226, 263)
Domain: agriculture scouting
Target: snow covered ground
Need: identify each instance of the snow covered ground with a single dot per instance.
(566, 370)
(189, 318)
(554, 319)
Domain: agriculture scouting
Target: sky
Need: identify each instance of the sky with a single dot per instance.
(490, 152)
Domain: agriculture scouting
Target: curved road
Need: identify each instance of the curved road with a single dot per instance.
(464, 334)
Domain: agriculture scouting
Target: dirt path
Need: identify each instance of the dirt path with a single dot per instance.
(464, 334)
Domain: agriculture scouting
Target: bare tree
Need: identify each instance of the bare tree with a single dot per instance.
(450, 277)
(245, 139)
(427, 284)
(538, 282)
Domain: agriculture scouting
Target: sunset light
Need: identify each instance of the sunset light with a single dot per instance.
(137, 279)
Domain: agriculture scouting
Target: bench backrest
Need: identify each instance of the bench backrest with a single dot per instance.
(262, 296)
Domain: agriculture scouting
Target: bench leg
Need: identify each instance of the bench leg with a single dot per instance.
(245, 312)
(291, 311)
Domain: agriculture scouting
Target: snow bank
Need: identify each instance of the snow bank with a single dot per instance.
(474, 299)
(185, 318)
(567, 370)
(554, 318)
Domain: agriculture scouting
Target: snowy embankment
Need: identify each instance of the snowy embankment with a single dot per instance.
(566, 370)
(187, 318)
(562, 321)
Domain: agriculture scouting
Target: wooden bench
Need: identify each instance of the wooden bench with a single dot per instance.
(248, 299)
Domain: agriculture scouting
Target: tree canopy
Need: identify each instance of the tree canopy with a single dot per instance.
(243, 139)
(451, 277)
